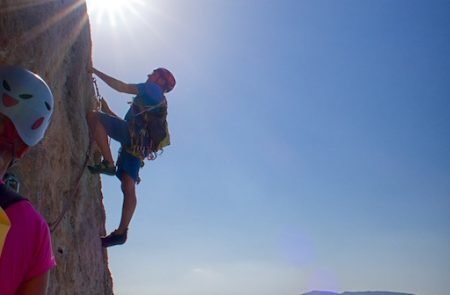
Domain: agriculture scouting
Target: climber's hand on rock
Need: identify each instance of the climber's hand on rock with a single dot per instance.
(91, 69)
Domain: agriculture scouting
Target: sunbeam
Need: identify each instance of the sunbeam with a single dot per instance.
(116, 12)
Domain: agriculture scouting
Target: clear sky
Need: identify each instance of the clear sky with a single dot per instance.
(310, 146)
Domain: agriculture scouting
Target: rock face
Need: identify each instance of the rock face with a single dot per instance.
(52, 38)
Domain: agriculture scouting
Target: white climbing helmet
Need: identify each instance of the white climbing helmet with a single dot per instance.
(27, 101)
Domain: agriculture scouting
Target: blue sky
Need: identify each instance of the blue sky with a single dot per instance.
(310, 146)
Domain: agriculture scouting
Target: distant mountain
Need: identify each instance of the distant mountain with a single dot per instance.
(375, 293)
(320, 293)
(356, 293)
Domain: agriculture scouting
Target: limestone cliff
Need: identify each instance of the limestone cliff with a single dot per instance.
(52, 38)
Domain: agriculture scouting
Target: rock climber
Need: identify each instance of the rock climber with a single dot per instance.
(149, 105)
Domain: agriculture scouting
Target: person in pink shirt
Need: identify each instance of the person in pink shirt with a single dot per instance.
(26, 107)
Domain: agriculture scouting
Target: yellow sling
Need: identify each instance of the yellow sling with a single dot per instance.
(5, 225)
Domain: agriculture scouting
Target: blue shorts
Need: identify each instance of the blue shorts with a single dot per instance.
(117, 129)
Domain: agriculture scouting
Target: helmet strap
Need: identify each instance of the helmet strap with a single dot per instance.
(10, 140)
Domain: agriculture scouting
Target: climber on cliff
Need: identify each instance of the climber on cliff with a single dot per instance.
(26, 106)
(149, 108)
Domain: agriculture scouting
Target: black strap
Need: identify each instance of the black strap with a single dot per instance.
(8, 197)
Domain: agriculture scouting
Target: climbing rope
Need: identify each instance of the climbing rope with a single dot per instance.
(53, 225)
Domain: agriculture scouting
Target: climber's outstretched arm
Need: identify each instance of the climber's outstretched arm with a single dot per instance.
(114, 83)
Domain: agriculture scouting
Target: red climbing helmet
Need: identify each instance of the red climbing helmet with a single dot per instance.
(168, 78)
(27, 101)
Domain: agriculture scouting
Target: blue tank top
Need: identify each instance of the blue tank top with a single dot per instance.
(149, 94)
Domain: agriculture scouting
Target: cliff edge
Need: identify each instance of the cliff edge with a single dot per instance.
(52, 39)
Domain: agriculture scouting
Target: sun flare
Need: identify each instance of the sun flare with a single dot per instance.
(114, 11)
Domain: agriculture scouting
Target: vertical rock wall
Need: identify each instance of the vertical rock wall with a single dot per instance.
(52, 38)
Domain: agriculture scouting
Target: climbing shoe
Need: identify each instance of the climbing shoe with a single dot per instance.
(114, 239)
(104, 167)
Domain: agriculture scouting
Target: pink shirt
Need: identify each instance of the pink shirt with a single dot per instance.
(27, 252)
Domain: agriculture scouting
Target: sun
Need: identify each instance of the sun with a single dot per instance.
(114, 11)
